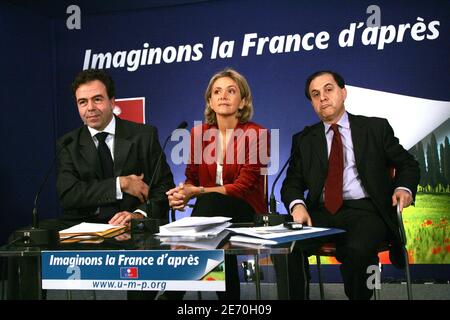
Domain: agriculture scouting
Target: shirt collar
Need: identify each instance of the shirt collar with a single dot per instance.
(343, 123)
(110, 128)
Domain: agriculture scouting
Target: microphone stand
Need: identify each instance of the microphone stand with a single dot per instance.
(274, 217)
(142, 224)
(35, 236)
(272, 200)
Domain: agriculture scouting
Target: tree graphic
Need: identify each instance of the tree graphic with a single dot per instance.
(446, 156)
(420, 157)
(434, 165)
(442, 163)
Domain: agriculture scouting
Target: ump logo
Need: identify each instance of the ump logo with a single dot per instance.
(129, 273)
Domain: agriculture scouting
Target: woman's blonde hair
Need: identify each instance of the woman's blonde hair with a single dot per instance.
(244, 114)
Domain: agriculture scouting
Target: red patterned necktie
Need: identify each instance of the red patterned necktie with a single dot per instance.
(333, 183)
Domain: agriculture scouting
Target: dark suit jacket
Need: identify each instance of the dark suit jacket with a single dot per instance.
(79, 184)
(376, 150)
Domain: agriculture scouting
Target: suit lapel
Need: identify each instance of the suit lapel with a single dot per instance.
(319, 145)
(121, 147)
(359, 139)
(89, 152)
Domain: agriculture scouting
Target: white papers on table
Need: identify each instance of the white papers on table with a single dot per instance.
(86, 227)
(244, 239)
(90, 231)
(274, 232)
(195, 227)
(192, 242)
(196, 222)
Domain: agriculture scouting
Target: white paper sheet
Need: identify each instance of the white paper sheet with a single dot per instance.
(274, 232)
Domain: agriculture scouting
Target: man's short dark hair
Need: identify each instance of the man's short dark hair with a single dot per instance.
(337, 77)
(89, 75)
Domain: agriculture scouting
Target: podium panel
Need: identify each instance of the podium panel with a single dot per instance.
(154, 270)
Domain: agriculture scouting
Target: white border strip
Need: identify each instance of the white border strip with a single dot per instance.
(140, 285)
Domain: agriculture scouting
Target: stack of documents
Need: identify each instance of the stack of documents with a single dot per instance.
(273, 235)
(90, 232)
(193, 228)
(196, 243)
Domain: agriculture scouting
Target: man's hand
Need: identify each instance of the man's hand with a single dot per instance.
(135, 186)
(301, 215)
(402, 197)
(124, 218)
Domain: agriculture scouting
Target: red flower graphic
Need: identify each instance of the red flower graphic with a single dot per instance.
(427, 223)
(436, 250)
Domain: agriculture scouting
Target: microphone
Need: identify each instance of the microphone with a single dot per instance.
(35, 218)
(272, 200)
(182, 125)
(36, 236)
(274, 218)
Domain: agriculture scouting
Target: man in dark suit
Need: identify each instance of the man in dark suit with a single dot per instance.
(104, 178)
(87, 189)
(106, 166)
(344, 162)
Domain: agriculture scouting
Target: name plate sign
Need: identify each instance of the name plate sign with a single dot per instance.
(157, 270)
